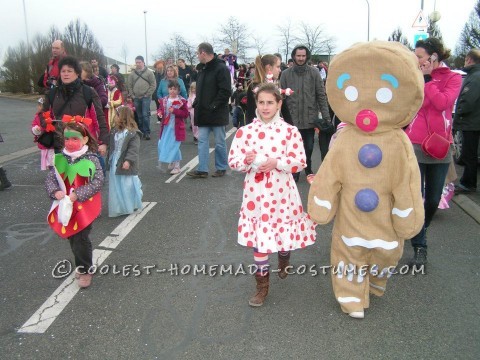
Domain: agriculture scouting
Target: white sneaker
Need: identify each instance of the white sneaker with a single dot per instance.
(175, 171)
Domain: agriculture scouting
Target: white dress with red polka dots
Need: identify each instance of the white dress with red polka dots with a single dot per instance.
(271, 217)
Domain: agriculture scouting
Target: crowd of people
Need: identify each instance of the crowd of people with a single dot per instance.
(91, 121)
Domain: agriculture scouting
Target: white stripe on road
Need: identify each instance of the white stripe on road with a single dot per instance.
(18, 154)
(194, 162)
(122, 230)
(41, 320)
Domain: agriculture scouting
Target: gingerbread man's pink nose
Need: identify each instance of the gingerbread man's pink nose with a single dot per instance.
(367, 120)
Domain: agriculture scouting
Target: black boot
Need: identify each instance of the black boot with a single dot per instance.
(4, 183)
(419, 257)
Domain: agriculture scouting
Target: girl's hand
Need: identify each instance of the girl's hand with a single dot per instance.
(59, 195)
(73, 196)
(126, 165)
(102, 149)
(170, 109)
(269, 165)
(36, 130)
(250, 157)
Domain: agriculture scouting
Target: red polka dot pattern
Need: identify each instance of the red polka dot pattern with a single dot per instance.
(271, 216)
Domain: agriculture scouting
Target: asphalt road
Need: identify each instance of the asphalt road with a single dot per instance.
(173, 316)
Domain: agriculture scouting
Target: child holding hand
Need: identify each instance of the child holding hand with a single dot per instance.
(272, 219)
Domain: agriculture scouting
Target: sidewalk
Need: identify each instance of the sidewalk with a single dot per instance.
(18, 96)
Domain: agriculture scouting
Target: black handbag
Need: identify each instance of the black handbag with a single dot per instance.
(324, 126)
(47, 139)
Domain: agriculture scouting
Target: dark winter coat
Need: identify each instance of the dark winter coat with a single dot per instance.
(77, 105)
(99, 86)
(467, 113)
(214, 88)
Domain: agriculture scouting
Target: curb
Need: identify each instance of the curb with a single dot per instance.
(468, 205)
(26, 97)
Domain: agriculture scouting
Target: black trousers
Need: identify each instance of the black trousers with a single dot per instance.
(470, 158)
(308, 137)
(82, 249)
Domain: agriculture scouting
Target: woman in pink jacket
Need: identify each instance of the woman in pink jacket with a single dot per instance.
(442, 87)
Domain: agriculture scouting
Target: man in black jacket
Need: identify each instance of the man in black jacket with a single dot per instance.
(214, 89)
(467, 120)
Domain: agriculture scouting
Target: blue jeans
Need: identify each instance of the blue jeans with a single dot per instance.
(433, 181)
(142, 108)
(220, 147)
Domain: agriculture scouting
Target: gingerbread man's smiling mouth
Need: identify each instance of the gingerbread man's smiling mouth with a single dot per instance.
(367, 120)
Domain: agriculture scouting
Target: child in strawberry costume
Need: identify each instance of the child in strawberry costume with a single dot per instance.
(76, 174)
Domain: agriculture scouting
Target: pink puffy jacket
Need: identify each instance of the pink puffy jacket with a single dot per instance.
(440, 95)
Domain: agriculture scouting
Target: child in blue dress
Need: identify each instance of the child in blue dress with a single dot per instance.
(125, 189)
(173, 111)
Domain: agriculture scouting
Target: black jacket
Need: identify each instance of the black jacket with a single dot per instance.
(214, 88)
(467, 112)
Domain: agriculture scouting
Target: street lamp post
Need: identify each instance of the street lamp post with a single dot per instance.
(28, 49)
(146, 52)
(368, 23)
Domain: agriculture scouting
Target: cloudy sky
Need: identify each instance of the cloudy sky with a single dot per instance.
(118, 22)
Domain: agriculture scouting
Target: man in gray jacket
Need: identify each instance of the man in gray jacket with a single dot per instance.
(467, 120)
(306, 101)
(141, 84)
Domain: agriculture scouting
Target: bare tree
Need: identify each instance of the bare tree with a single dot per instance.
(235, 34)
(166, 51)
(288, 36)
(15, 71)
(397, 35)
(330, 46)
(313, 37)
(177, 47)
(259, 43)
(124, 54)
(80, 41)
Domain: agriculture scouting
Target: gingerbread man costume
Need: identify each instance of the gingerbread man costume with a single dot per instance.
(370, 180)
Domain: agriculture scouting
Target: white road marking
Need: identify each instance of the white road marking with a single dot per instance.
(122, 230)
(18, 154)
(41, 320)
(194, 162)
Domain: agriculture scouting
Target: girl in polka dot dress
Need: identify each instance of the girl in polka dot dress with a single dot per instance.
(272, 219)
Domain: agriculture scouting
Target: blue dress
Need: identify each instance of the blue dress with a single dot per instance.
(124, 191)
(168, 146)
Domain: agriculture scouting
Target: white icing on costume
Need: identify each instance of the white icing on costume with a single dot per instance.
(370, 244)
(323, 203)
(401, 213)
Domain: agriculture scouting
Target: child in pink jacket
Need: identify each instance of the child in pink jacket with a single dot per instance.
(46, 155)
